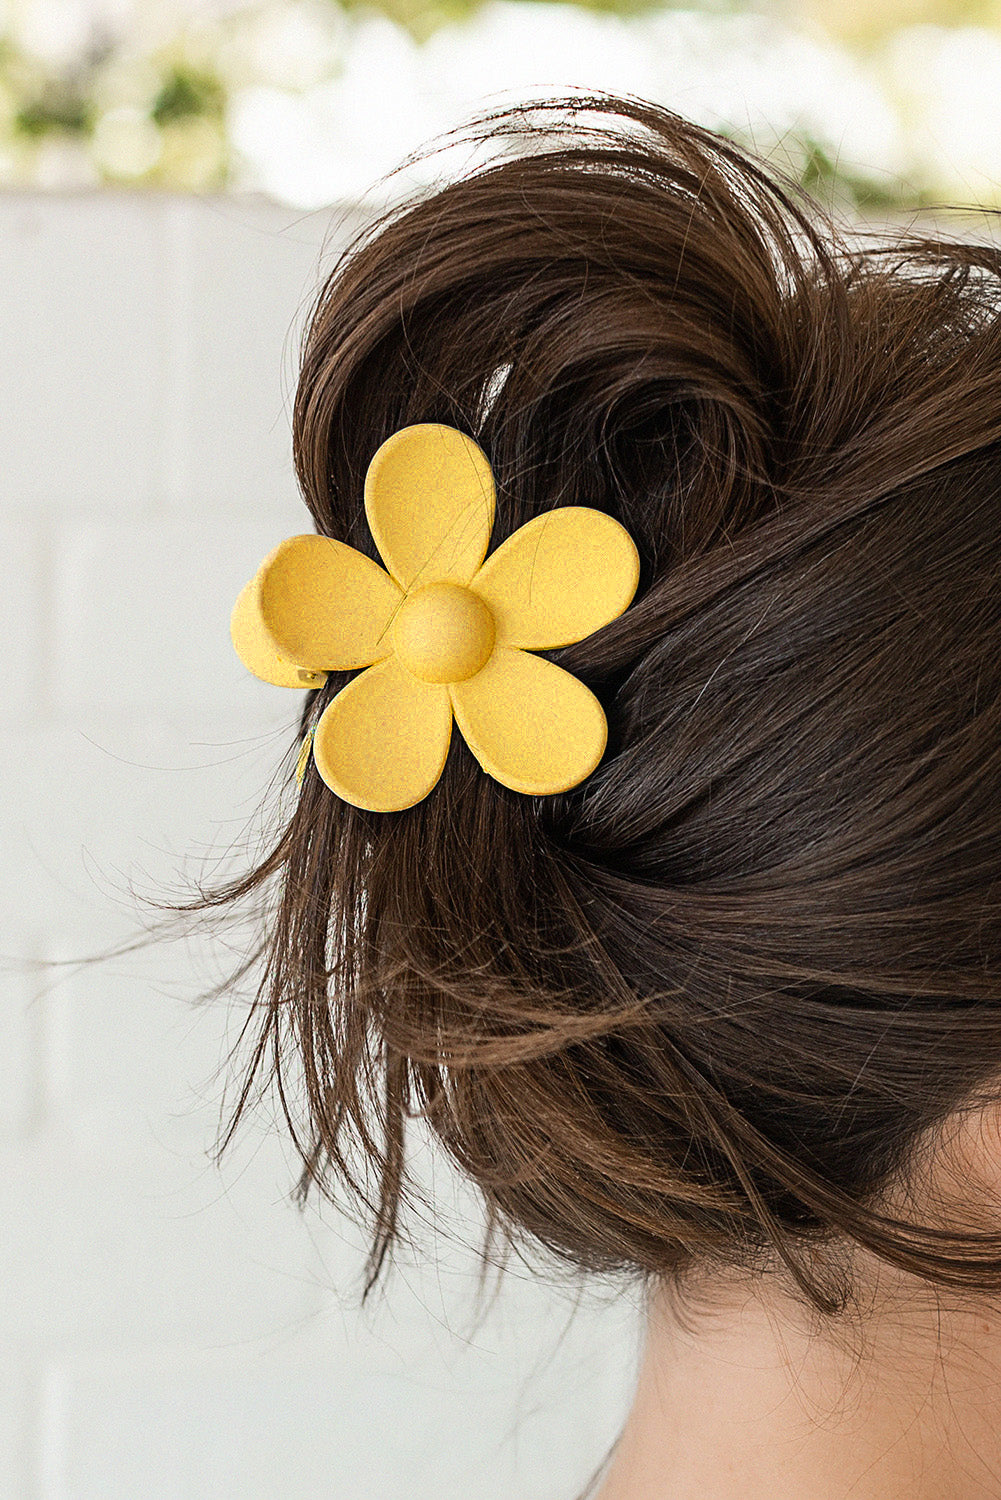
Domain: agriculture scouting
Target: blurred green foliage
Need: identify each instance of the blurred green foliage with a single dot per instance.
(186, 92)
(187, 100)
(422, 19)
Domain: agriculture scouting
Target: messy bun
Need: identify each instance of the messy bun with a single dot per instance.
(709, 1008)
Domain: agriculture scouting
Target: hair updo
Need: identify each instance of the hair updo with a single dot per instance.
(706, 1009)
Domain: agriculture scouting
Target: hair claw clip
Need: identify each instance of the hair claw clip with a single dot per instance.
(443, 632)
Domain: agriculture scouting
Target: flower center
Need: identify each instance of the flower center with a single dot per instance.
(444, 633)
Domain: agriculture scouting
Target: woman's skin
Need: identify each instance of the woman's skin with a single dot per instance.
(755, 1402)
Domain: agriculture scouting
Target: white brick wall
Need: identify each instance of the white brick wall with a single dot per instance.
(170, 1330)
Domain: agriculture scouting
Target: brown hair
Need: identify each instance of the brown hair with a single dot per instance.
(707, 1008)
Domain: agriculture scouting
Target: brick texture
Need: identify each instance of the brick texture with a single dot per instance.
(172, 1329)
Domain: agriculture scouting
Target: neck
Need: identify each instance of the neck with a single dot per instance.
(756, 1403)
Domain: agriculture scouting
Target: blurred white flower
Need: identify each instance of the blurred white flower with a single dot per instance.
(289, 44)
(752, 74)
(536, 48)
(60, 35)
(273, 134)
(63, 32)
(947, 84)
(126, 143)
(62, 162)
(130, 79)
(335, 140)
(746, 73)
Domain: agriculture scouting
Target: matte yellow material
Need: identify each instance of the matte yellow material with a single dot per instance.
(325, 605)
(443, 633)
(532, 726)
(559, 577)
(381, 743)
(429, 499)
(255, 647)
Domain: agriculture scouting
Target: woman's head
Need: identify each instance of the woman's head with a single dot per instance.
(713, 1009)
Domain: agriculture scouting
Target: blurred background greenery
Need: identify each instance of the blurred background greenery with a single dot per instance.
(890, 104)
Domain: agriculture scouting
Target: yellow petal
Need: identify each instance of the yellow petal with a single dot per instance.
(326, 606)
(559, 577)
(429, 498)
(381, 743)
(530, 724)
(256, 649)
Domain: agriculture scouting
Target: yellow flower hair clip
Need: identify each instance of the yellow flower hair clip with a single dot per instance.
(442, 633)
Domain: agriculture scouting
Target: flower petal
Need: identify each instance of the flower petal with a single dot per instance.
(429, 498)
(530, 724)
(381, 742)
(326, 606)
(559, 577)
(256, 649)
